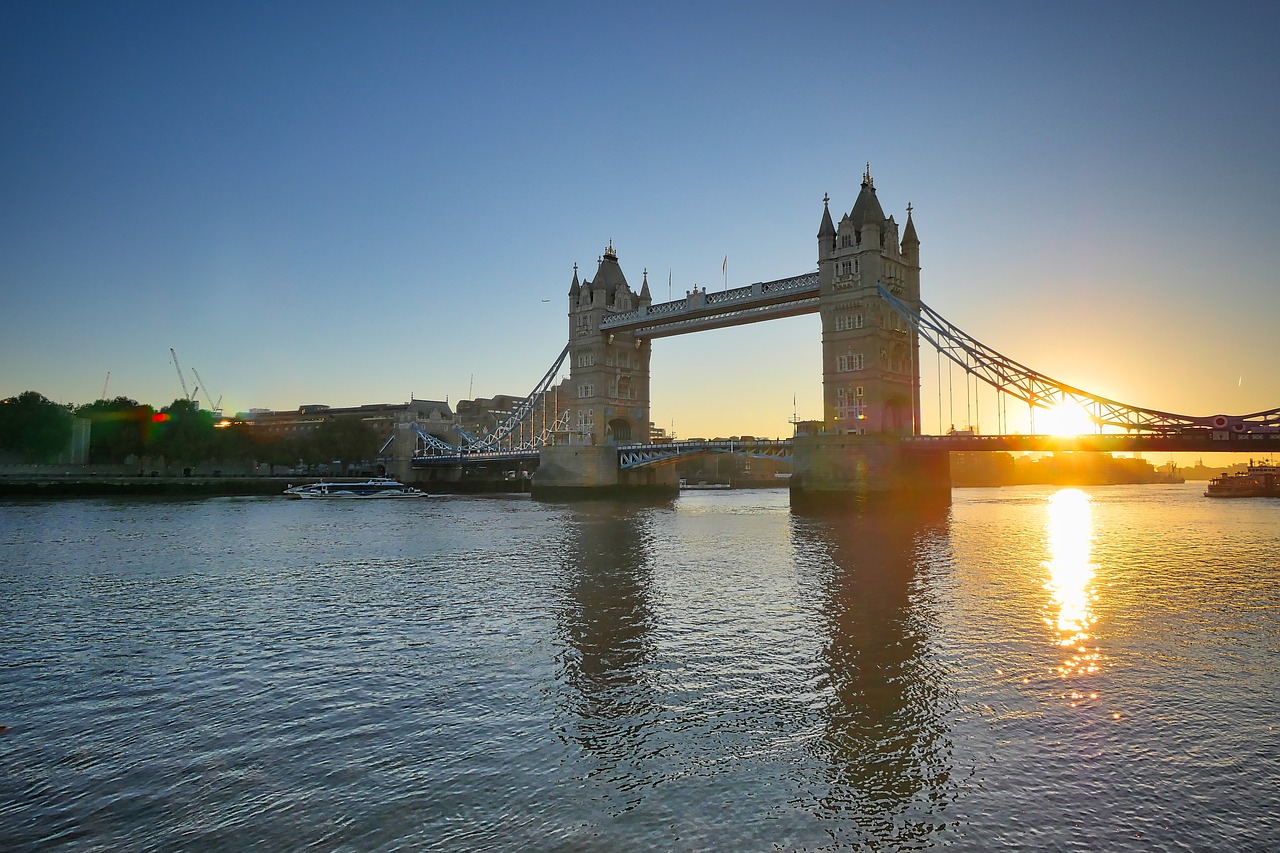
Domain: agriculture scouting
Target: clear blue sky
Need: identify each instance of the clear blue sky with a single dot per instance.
(350, 203)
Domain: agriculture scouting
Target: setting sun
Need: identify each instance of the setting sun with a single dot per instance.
(1065, 418)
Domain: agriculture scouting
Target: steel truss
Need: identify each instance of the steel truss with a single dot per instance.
(489, 446)
(1042, 392)
(646, 455)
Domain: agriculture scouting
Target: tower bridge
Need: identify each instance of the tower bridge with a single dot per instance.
(590, 432)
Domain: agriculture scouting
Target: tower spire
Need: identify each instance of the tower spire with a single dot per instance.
(909, 237)
(826, 228)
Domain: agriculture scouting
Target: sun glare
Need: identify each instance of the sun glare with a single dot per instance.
(1066, 418)
(1070, 583)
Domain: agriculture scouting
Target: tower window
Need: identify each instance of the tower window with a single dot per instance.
(846, 363)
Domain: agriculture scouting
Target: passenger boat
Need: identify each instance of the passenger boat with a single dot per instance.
(378, 487)
(1257, 481)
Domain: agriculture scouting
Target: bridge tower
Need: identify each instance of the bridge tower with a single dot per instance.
(608, 395)
(870, 356)
(608, 372)
(870, 367)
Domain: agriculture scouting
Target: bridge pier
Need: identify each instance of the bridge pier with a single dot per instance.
(837, 470)
(401, 462)
(584, 471)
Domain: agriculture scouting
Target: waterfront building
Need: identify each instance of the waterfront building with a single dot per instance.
(432, 416)
(483, 414)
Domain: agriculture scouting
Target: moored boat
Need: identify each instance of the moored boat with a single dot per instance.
(377, 487)
(1257, 481)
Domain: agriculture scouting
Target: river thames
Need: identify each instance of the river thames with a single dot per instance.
(1030, 668)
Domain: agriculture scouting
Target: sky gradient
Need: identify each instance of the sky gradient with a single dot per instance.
(356, 203)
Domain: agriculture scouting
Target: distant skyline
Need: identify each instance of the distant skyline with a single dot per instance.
(345, 204)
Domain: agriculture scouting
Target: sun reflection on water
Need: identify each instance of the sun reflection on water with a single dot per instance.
(1070, 580)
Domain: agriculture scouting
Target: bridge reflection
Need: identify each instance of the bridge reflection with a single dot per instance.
(606, 630)
(884, 738)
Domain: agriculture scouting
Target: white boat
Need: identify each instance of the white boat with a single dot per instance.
(378, 487)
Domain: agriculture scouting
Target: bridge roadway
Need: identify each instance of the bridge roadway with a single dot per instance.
(642, 455)
(1200, 442)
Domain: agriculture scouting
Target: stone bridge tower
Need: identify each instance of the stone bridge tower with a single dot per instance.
(870, 355)
(608, 385)
(870, 369)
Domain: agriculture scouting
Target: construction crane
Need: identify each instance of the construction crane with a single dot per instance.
(105, 383)
(186, 395)
(216, 407)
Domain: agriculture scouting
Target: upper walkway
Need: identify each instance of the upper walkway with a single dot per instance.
(764, 300)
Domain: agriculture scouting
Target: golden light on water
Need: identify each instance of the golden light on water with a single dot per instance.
(1070, 582)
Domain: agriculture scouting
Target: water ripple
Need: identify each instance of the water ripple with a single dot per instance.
(714, 674)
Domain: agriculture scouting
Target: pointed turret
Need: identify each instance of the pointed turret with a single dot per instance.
(867, 208)
(826, 229)
(609, 276)
(575, 286)
(909, 237)
(646, 299)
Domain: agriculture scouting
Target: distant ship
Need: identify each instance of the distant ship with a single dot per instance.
(703, 484)
(378, 487)
(1257, 481)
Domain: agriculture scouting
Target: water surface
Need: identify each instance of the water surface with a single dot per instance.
(1031, 667)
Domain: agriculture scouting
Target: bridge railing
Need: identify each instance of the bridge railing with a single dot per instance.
(738, 293)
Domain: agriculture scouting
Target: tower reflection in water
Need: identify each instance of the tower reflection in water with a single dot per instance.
(1070, 610)
(606, 631)
(884, 736)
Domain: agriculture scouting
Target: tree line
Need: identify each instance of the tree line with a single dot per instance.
(35, 429)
